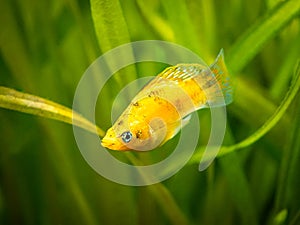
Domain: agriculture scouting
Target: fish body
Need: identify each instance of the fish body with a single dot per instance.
(163, 106)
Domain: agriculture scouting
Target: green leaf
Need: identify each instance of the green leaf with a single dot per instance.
(15, 100)
(256, 36)
(272, 121)
(288, 182)
(163, 197)
(267, 126)
(11, 42)
(26, 103)
(188, 38)
(239, 188)
(284, 74)
(159, 25)
(112, 31)
(281, 217)
(109, 23)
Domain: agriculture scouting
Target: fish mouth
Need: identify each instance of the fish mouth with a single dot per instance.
(113, 144)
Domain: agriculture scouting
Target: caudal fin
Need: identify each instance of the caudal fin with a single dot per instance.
(220, 93)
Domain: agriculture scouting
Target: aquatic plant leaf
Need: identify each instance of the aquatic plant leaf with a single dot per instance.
(112, 31)
(31, 104)
(257, 35)
(267, 126)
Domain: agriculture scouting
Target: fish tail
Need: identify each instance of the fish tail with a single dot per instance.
(220, 93)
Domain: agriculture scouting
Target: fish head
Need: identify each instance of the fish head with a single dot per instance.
(136, 134)
(112, 141)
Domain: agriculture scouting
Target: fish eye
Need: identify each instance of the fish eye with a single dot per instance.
(126, 136)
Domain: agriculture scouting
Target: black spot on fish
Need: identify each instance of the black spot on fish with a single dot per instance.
(139, 134)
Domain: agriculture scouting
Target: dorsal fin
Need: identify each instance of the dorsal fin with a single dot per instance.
(213, 81)
(182, 72)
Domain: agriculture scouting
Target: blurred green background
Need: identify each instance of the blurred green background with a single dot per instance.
(47, 45)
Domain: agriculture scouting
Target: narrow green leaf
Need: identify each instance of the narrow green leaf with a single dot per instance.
(14, 100)
(288, 182)
(281, 81)
(85, 32)
(161, 27)
(26, 103)
(254, 38)
(246, 98)
(112, 31)
(281, 217)
(163, 197)
(110, 24)
(188, 38)
(204, 16)
(267, 126)
(11, 42)
(272, 121)
(239, 188)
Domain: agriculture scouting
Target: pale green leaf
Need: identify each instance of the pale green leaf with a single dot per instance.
(26, 103)
(252, 41)
(267, 126)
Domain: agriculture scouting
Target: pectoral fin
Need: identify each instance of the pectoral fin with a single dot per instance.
(175, 127)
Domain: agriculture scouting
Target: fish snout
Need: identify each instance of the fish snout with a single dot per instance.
(113, 144)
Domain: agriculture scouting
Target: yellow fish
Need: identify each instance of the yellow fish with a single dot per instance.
(163, 106)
